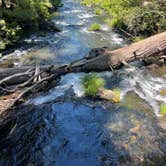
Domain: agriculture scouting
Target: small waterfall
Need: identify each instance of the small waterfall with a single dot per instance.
(70, 81)
(146, 86)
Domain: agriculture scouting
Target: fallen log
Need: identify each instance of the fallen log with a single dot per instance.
(151, 47)
(24, 92)
(105, 58)
(98, 60)
(14, 76)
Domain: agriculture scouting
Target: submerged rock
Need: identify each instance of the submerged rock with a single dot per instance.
(77, 133)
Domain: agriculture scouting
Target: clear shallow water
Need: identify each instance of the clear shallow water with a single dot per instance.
(147, 87)
(79, 131)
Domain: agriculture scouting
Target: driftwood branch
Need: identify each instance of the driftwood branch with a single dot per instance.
(27, 90)
(15, 76)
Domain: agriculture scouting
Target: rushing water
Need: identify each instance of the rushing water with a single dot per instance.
(64, 128)
(74, 42)
(140, 81)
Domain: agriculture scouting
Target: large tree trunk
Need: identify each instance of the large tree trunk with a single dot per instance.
(25, 80)
(104, 58)
(150, 47)
(101, 59)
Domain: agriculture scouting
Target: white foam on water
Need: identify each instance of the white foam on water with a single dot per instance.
(143, 84)
(73, 11)
(105, 27)
(82, 22)
(62, 23)
(116, 39)
(68, 81)
(146, 87)
(86, 15)
(85, 29)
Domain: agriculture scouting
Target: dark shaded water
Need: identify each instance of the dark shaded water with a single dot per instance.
(77, 131)
(71, 133)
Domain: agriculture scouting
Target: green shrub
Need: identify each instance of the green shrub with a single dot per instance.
(8, 33)
(146, 21)
(2, 45)
(163, 109)
(94, 27)
(135, 16)
(98, 11)
(92, 83)
(115, 22)
(55, 3)
(20, 15)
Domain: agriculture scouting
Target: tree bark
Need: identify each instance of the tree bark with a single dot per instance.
(148, 48)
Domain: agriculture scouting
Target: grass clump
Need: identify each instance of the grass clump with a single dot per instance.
(138, 38)
(163, 109)
(94, 87)
(92, 83)
(94, 27)
(98, 11)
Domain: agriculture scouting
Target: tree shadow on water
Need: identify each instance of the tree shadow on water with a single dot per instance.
(77, 134)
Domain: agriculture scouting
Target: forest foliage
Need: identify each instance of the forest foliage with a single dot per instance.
(19, 15)
(138, 17)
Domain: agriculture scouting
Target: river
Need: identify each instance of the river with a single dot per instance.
(63, 127)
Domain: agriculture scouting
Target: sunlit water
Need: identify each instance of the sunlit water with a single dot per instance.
(80, 131)
(73, 42)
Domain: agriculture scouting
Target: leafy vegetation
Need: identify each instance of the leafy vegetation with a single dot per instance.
(98, 11)
(19, 15)
(94, 27)
(138, 17)
(163, 109)
(92, 83)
